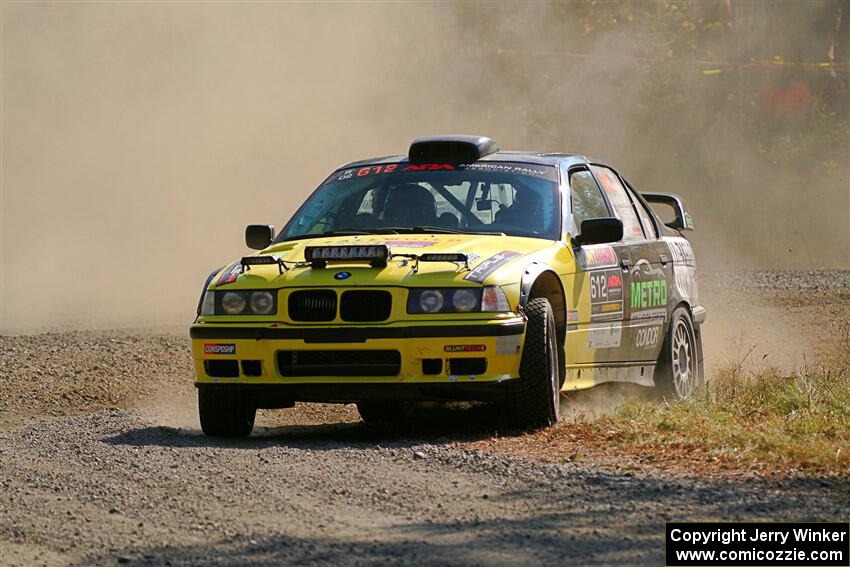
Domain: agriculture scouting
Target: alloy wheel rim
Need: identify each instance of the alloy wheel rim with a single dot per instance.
(553, 370)
(684, 370)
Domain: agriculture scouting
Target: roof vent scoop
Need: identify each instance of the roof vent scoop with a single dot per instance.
(451, 149)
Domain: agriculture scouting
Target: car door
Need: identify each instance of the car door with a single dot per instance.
(647, 272)
(596, 306)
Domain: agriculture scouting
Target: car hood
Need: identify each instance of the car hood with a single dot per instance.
(492, 259)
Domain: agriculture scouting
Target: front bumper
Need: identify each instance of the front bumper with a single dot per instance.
(494, 344)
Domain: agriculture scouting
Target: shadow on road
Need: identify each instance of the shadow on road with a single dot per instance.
(595, 518)
(431, 423)
(479, 544)
(424, 422)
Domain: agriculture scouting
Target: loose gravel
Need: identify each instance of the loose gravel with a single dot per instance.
(102, 463)
(116, 487)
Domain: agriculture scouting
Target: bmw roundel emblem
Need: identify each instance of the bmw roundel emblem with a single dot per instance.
(342, 275)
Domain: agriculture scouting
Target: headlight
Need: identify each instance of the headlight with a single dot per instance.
(262, 302)
(431, 300)
(457, 300)
(259, 302)
(233, 303)
(465, 299)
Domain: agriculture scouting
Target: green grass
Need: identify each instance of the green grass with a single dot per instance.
(771, 421)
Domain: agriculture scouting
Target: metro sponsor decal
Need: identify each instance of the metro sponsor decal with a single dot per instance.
(649, 294)
(217, 348)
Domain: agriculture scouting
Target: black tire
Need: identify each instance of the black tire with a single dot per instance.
(225, 413)
(534, 399)
(679, 372)
(374, 412)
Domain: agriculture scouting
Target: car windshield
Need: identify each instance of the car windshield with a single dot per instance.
(516, 199)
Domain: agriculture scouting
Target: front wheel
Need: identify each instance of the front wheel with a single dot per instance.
(225, 413)
(534, 399)
(679, 372)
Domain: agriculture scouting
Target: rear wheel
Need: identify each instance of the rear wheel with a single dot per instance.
(381, 411)
(679, 373)
(225, 413)
(534, 399)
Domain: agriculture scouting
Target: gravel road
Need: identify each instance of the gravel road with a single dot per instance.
(101, 462)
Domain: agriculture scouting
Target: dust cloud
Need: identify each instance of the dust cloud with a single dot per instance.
(139, 138)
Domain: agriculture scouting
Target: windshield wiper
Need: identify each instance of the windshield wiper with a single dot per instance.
(342, 232)
(392, 230)
(444, 230)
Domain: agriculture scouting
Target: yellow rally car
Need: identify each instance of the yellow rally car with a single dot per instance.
(456, 272)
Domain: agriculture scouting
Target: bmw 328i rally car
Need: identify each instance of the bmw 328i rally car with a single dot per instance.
(455, 272)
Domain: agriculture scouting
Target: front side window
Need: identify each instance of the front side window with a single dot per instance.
(620, 201)
(587, 199)
(483, 197)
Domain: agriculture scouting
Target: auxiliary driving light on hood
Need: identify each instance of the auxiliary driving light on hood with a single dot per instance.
(319, 256)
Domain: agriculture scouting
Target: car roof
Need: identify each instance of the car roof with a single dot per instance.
(554, 159)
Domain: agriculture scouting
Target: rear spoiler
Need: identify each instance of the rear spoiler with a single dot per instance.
(683, 220)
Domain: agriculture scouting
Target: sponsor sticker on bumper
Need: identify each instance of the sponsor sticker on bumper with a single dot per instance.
(217, 348)
(465, 348)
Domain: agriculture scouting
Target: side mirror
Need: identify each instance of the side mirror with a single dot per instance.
(259, 236)
(600, 231)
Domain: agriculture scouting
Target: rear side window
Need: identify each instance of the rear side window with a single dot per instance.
(587, 199)
(621, 202)
(648, 225)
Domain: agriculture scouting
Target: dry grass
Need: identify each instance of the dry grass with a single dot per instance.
(769, 423)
